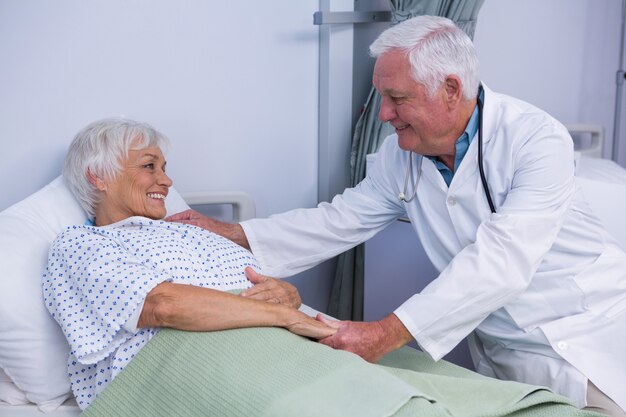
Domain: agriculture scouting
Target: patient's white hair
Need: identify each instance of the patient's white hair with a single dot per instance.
(436, 48)
(99, 148)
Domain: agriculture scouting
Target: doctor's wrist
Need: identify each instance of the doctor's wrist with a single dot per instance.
(238, 235)
(395, 334)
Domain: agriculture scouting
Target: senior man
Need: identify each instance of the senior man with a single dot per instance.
(526, 269)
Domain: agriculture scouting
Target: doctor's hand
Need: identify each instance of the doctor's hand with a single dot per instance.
(271, 290)
(231, 231)
(301, 324)
(369, 340)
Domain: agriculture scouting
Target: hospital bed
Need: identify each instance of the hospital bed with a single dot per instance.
(27, 333)
(32, 348)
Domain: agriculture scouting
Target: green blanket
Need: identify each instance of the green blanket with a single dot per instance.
(271, 372)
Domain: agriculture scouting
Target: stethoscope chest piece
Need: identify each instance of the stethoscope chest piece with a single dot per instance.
(409, 173)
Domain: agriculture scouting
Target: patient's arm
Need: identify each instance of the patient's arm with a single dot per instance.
(193, 308)
(231, 231)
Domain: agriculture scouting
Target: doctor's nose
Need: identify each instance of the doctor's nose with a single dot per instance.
(387, 110)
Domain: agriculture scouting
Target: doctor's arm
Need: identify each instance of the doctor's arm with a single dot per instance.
(499, 264)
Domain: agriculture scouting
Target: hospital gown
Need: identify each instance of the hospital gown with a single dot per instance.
(98, 277)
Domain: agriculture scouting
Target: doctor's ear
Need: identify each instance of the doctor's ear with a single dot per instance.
(96, 181)
(453, 89)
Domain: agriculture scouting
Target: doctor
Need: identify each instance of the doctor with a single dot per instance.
(526, 270)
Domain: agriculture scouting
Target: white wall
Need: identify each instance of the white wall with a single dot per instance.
(561, 55)
(233, 84)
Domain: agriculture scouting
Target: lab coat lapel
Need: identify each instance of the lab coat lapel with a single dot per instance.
(436, 208)
(468, 170)
(431, 174)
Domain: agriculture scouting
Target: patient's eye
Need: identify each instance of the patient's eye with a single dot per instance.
(149, 166)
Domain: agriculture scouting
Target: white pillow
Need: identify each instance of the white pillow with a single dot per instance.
(9, 393)
(33, 350)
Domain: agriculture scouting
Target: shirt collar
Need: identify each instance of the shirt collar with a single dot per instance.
(462, 144)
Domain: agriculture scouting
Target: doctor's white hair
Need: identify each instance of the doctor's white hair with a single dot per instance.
(436, 48)
(99, 148)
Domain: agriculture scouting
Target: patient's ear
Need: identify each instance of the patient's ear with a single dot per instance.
(96, 181)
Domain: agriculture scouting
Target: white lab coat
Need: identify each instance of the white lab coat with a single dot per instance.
(541, 282)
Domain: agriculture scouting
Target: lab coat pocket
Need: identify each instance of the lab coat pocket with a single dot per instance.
(604, 283)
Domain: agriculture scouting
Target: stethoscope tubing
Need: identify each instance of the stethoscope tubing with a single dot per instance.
(481, 168)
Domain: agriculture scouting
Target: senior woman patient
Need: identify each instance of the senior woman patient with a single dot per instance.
(113, 283)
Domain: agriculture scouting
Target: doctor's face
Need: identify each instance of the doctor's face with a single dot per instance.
(423, 123)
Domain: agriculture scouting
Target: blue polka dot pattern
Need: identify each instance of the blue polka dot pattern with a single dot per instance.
(98, 276)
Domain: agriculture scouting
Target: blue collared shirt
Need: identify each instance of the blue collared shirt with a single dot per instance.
(462, 144)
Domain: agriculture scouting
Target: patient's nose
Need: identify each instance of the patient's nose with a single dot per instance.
(164, 179)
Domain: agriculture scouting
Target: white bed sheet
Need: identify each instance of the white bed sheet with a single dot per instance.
(603, 183)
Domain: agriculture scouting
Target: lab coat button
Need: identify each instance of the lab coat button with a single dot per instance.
(451, 201)
(562, 345)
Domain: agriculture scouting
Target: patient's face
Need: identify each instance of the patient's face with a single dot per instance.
(138, 190)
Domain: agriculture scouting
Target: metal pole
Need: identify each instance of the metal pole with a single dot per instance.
(619, 79)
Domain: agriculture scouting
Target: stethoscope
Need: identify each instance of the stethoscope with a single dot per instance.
(409, 168)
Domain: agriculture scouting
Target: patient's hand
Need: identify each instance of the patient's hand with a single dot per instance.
(369, 340)
(271, 290)
(231, 231)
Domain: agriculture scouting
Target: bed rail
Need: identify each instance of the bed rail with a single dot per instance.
(588, 139)
(242, 203)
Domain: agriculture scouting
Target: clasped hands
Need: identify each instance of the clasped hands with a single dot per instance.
(368, 340)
